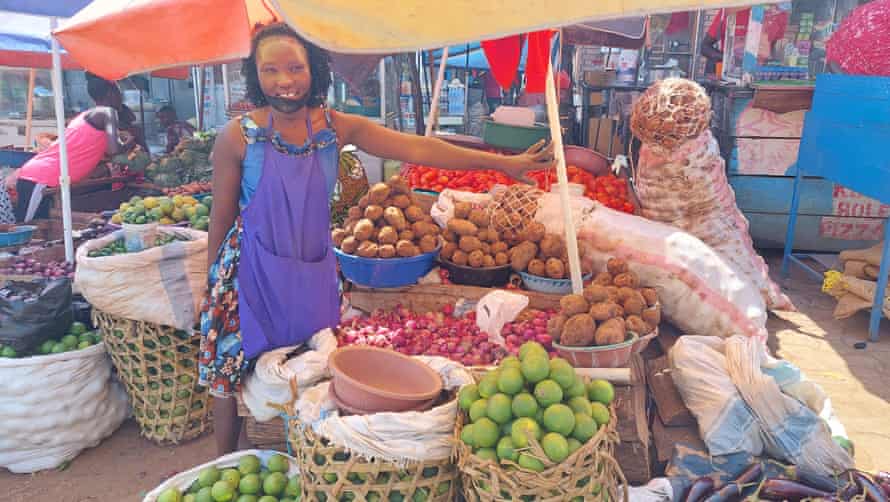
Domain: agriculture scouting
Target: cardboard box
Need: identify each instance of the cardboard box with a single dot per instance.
(601, 132)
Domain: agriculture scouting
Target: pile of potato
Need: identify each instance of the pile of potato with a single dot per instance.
(471, 241)
(612, 306)
(387, 223)
(541, 254)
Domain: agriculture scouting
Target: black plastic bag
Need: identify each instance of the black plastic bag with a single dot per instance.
(34, 312)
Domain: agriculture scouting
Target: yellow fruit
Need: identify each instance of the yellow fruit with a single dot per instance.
(124, 206)
(116, 219)
(166, 221)
(178, 215)
(178, 200)
(189, 200)
(150, 202)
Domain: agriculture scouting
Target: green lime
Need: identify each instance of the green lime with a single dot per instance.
(559, 418)
(247, 498)
(69, 341)
(77, 328)
(488, 386)
(525, 405)
(585, 428)
(574, 445)
(499, 408)
(487, 454)
(466, 435)
(601, 391)
(510, 362)
(505, 449)
(208, 477)
(563, 373)
(548, 392)
(222, 491)
(529, 348)
(46, 347)
(522, 429)
(58, 348)
(600, 413)
(204, 495)
(529, 462)
(485, 433)
(250, 484)
(580, 404)
(83, 345)
(278, 463)
(8, 352)
(275, 484)
(555, 446)
(478, 410)
(510, 381)
(578, 389)
(170, 495)
(293, 487)
(189, 497)
(468, 395)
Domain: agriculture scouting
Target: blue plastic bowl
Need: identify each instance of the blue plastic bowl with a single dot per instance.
(385, 272)
(19, 235)
(548, 285)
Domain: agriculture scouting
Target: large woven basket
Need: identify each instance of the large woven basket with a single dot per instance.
(332, 473)
(158, 365)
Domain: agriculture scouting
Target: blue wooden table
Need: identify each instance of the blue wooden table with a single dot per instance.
(846, 138)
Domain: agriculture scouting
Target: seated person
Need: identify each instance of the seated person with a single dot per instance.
(176, 129)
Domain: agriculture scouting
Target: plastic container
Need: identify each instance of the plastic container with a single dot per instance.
(514, 115)
(605, 356)
(485, 277)
(385, 272)
(586, 159)
(512, 137)
(139, 237)
(548, 285)
(377, 380)
(17, 236)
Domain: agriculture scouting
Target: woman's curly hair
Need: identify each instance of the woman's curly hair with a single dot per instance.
(319, 66)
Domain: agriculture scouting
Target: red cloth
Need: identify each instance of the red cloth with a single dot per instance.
(537, 60)
(503, 57)
(679, 22)
(717, 30)
(860, 44)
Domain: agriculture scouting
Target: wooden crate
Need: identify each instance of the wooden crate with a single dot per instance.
(263, 435)
(432, 297)
(668, 403)
(634, 452)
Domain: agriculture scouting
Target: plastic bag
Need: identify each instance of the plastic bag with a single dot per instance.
(34, 312)
(550, 211)
(443, 209)
(395, 437)
(496, 309)
(267, 389)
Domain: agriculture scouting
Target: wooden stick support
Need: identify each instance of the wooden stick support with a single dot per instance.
(437, 91)
(29, 114)
(615, 375)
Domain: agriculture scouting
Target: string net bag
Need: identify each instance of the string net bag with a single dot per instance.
(512, 209)
(861, 45)
(671, 112)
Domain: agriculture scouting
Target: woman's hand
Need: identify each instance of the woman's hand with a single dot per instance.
(538, 156)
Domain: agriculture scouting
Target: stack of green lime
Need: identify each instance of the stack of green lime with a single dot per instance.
(77, 338)
(250, 481)
(533, 396)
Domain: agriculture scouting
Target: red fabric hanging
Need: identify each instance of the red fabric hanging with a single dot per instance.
(537, 60)
(503, 57)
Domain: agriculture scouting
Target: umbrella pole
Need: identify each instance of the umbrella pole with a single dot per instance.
(563, 180)
(29, 114)
(64, 180)
(437, 91)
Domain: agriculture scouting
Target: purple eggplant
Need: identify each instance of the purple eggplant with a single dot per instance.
(785, 489)
(701, 488)
(733, 490)
(869, 488)
(822, 482)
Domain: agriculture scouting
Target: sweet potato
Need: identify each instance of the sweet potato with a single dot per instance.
(406, 249)
(555, 326)
(501, 259)
(521, 255)
(499, 247)
(537, 267)
(462, 210)
(579, 331)
(571, 305)
(626, 279)
(534, 232)
(556, 269)
(422, 228)
(386, 251)
(634, 305)
(401, 201)
(613, 293)
(337, 236)
(470, 243)
(428, 243)
(652, 315)
(552, 246)
(459, 258)
(349, 225)
(603, 279)
(374, 212)
(636, 324)
(354, 212)
(475, 259)
(604, 311)
(596, 293)
(398, 185)
(363, 202)
(479, 217)
(450, 236)
(510, 237)
(414, 213)
(448, 250)
(486, 248)
(650, 295)
(462, 227)
(378, 193)
(610, 332)
(367, 249)
(349, 245)
(616, 266)
(406, 235)
(625, 293)
(364, 230)
(396, 218)
(488, 261)
(387, 235)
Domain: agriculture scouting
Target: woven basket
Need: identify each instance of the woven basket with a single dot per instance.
(331, 473)
(352, 183)
(591, 473)
(158, 365)
(269, 435)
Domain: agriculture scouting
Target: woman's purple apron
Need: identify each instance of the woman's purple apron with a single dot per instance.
(287, 276)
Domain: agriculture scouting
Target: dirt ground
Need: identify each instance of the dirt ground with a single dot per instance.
(125, 466)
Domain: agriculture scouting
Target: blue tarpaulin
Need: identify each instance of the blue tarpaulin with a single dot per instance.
(48, 8)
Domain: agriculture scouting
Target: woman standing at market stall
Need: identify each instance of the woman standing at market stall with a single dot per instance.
(272, 279)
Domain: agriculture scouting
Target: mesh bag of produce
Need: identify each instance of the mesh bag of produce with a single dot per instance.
(671, 112)
(860, 45)
(158, 366)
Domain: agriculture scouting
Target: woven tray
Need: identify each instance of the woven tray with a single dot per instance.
(158, 366)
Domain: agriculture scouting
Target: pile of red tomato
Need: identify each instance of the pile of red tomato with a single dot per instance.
(609, 190)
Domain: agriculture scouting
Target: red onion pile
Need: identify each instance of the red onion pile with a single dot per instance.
(442, 334)
(30, 266)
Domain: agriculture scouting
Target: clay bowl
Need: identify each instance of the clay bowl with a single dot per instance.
(377, 380)
(346, 409)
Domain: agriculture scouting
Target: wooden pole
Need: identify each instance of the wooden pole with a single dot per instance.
(563, 179)
(417, 94)
(437, 92)
(29, 114)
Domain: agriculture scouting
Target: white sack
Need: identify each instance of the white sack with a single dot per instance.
(162, 285)
(699, 292)
(443, 209)
(184, 480)
(395, 437)
(496, 309)
(689, 190)
(54, 406)
(550, 212)
(267, 388)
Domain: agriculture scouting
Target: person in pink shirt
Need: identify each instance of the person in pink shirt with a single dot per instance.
(89, 137)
